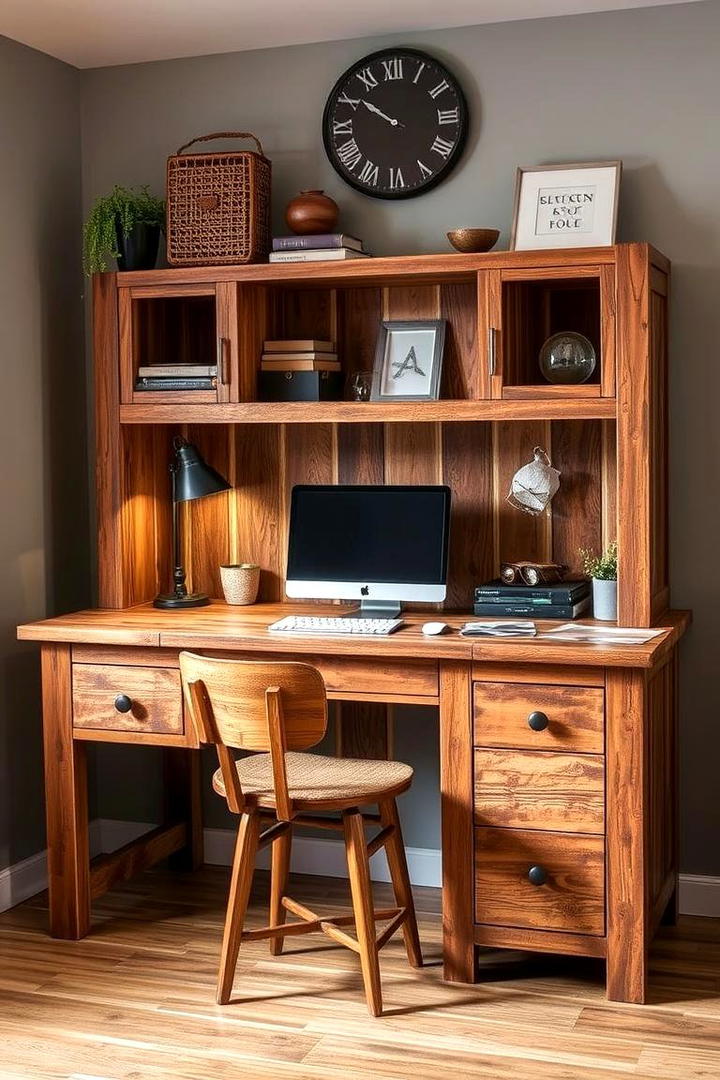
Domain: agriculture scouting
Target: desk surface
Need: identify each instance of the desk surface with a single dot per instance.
(220, 626)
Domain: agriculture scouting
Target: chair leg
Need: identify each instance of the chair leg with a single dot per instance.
(241, 880)
(278, 886)
(361, 892)
(395, 851)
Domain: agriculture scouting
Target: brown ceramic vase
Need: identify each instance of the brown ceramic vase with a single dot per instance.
(311, 212)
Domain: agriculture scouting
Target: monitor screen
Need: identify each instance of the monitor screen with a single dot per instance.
(349, 537)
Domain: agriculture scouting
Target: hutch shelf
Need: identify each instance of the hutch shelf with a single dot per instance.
(607, 436)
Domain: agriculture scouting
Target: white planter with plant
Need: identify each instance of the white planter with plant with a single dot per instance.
(603, 571)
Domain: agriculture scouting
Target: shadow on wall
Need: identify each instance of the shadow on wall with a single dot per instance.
(64, 561)
(653, 209)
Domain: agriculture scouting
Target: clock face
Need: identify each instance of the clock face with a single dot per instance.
(395, 124)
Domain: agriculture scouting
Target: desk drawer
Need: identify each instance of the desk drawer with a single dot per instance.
(570, 718)
(153, 705)
(536, 789)
(385, 678)
(571, 867)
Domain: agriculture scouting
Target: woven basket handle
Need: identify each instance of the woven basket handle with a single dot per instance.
(225, 135)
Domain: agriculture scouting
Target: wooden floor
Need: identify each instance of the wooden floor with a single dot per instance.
(136, 1000)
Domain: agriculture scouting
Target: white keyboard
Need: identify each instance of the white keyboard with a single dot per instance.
(311, 624)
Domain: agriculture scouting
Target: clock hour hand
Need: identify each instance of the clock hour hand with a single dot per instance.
(379, 112)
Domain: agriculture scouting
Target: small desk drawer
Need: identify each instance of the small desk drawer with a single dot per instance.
(133, 699)
(385, 677)
(531, 789)
(569, 869)
(539, 717)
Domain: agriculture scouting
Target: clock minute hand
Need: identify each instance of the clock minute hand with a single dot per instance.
(378, 112)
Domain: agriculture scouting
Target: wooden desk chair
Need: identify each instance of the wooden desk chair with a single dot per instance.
(276, 709)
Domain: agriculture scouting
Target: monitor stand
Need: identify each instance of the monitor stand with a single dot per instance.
(375, 609)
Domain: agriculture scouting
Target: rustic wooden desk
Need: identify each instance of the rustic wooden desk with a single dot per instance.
(588, 800)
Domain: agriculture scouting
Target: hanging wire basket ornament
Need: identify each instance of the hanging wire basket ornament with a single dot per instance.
(533, 486)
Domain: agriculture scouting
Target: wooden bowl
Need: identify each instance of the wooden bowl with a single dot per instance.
(473, 240)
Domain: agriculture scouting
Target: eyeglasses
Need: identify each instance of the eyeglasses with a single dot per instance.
(529, 573)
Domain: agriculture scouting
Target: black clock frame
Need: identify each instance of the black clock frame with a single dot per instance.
(453, 158)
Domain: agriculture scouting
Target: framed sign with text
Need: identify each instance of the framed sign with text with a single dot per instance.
(561, 206)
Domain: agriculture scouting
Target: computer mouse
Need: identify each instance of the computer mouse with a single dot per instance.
(432, 628)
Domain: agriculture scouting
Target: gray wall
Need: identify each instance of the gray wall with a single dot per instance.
(640, 85)
(44, 542)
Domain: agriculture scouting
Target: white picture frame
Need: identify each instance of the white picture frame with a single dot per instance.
(565, 206)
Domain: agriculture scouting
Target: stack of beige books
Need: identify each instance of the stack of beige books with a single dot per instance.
(299, 354)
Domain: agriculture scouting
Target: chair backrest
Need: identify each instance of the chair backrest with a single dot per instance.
(257, 706)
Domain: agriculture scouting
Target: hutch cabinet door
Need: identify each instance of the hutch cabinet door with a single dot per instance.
(178, 327)
(519, 309)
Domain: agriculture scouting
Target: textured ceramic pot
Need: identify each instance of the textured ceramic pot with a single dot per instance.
(240, 582)
(605, 600)
(312, 212)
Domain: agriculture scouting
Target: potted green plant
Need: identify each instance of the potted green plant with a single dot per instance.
(124, 225)
(603, 571)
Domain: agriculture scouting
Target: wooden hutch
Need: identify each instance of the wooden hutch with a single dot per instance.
(593, 796)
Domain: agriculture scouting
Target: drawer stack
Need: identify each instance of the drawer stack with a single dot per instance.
(539, 807)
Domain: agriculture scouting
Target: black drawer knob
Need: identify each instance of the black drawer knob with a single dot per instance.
(123, 703)
(538, 721)
(536, 875)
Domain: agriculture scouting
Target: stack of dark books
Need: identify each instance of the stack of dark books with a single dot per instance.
(565, 600)
(321, 247)
(177, 377)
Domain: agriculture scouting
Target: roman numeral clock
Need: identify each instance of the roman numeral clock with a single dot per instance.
(395, 124)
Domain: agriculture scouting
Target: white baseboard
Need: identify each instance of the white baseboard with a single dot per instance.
(326, 858)
(29, 877)
(22, 880)
(699, 895)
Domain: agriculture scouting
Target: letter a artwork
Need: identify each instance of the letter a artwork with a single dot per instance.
(410, 363)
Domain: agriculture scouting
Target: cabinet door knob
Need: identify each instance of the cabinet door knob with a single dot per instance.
(538, 721)
(123, 703)
(537, 875)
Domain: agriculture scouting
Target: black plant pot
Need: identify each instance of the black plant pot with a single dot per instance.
(139, 250)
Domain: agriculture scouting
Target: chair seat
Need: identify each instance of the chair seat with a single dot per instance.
(318, 781)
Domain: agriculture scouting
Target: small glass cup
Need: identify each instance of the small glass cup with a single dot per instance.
(360, 384)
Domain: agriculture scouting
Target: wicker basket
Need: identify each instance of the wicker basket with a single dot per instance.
(240, 583)
(218, 205)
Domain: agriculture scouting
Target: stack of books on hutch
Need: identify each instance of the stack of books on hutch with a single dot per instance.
(177, 377)
(318, 248)
(565, 600)
(300, 369)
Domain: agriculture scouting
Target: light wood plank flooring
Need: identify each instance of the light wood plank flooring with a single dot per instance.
(135, 1001)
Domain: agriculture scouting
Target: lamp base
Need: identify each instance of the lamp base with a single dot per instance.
(172, 600)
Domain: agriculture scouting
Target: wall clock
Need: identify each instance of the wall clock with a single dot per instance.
(395, 124)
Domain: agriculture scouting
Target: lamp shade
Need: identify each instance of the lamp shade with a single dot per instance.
(193, 477)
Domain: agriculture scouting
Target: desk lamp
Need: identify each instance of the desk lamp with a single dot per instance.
(191, 478)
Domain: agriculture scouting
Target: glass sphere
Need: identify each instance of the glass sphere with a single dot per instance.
(567, 358)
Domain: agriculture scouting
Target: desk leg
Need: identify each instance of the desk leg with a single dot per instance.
(627, 901)
(456, 786)
(65, 800)
(182, 771)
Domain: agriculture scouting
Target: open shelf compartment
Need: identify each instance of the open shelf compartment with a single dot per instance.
(535, 309)
(477, 461)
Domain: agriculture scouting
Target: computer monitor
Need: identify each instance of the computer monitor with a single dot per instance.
(377, 544)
